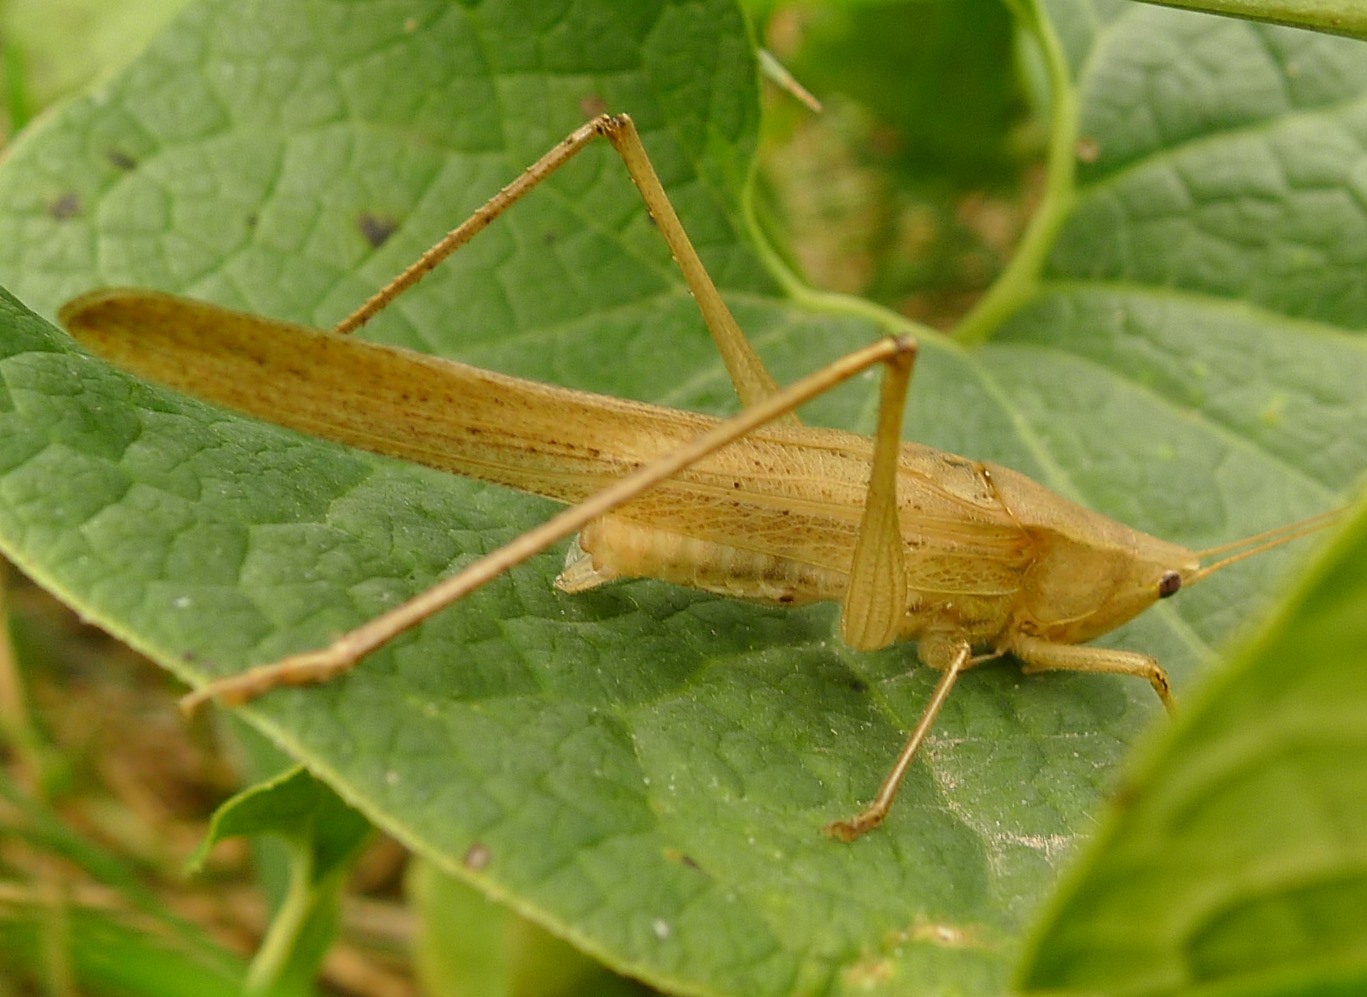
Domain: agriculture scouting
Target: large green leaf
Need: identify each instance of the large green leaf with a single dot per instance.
(1238, 861)
(644, 769)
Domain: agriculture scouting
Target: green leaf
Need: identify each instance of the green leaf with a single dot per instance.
(899, 60)
(643, 770)
(49, 48)
(105, 955)
(298, 808)
(468, 945)
(322, 835)
(1235, 861)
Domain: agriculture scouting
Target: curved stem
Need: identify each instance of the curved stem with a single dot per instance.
(1019, 280)
(274, 956)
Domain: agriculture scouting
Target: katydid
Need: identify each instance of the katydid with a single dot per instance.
(970, 559)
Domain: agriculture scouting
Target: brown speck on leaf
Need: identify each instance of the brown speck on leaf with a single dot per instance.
(66, 206)
(376, 229)
(121, 160)
(1087, 149)
(683, 859)
(477, 856)
(952, 936)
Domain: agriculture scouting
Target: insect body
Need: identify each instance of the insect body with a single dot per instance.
(967, 558)
(989, 554)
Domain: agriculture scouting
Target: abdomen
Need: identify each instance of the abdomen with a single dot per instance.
(613, 547)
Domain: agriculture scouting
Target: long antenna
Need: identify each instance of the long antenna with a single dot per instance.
(1259, 542)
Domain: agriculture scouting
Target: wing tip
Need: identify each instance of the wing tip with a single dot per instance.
(87, 313)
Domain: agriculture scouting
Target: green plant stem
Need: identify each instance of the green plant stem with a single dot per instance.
(1019, 279)
(18, 107)
(1336, 17)
(273, 958)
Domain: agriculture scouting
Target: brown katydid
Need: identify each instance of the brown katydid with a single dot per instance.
(970, 559)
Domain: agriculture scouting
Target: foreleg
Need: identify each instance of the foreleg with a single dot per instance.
(1045, 656)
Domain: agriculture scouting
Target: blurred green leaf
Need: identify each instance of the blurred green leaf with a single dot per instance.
(937, 75)
(49, 48)
(643, 770)
(322, 836)
(906, 187)
(297, 807)
(469, 946)
(109, 956)
(1233, 862)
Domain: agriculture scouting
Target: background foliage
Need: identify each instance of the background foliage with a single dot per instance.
(642, 771)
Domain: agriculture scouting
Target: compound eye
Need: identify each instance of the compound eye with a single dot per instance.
(1169, 584)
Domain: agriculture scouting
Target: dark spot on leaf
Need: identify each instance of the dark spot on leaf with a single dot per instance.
(1124, 796)
(858, 685)
(376, 229)
(477, 856)
(66, 206)
(684, 859)
(121, 160)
